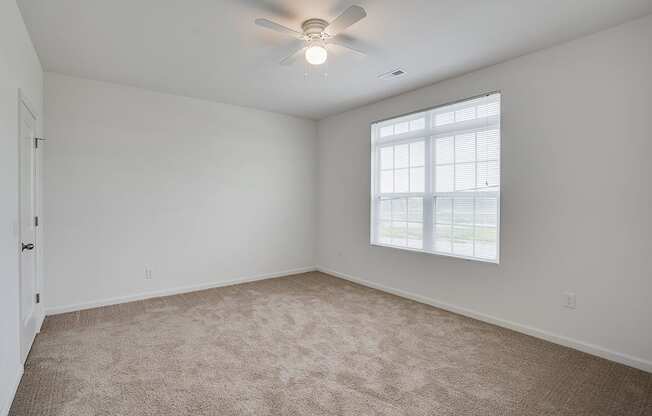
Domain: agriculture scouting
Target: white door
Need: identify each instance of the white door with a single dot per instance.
(27, 166)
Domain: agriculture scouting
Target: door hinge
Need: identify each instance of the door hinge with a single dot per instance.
(36, 221)
(36, 140)
(38, 298)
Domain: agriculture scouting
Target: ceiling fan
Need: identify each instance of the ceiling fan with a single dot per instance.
(316, 34)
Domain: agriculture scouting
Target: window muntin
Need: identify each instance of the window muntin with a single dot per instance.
(436, 180)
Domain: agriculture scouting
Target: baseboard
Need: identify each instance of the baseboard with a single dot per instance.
(10, 399)
(41, 318)
(55, 310)
(588, 348)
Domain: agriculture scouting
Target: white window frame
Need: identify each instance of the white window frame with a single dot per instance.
(428, 135)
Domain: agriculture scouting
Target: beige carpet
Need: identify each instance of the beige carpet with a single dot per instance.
(309, 345)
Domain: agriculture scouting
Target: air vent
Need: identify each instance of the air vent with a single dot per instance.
(392, 74)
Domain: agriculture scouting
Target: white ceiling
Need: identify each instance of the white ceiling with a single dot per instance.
(211, 49)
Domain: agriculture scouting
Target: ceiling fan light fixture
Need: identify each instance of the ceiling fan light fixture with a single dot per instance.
(316, 54)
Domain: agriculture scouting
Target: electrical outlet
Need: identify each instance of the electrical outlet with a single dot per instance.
(570, 300)
(148, 273)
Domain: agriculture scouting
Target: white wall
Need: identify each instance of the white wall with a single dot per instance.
(576, 197)
(19, 68)
(200, 192)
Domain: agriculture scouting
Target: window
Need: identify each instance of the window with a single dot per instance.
(436, 180)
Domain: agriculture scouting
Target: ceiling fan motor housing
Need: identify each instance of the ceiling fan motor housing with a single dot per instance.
(313, 29)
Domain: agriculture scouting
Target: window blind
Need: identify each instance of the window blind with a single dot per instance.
(436, 180)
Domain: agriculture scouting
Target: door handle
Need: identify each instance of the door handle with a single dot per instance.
(29, 246)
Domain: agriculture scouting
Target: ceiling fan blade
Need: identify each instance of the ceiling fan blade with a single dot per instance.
(292, 57)
(350, 16)
(346, 45)
(268, 24)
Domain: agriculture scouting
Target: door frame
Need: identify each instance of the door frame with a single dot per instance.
(39, 310)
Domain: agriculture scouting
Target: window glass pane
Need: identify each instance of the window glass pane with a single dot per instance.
(386, 131)
(385, 209)
(444, 150)
(443, 211)
(401, 128)
(489, 109)
(488, 174)
(399, 209)
(401, 180)
(399, 233)
(443, 240)
(488, 147)
(385, 232)
(465, 148)
(386, 181)
(415, 209)
(486, 211)
(417, 156)
(415, 235)
(417, 179)
(463, 240)
(387, 157)
(401, 156)
(444, 178)
(418, 124)
(464, 176)
(485, 242)
(465, 114)
(444, 118)
(463, 211)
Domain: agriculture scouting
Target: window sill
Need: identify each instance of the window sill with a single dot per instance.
(437, 253)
